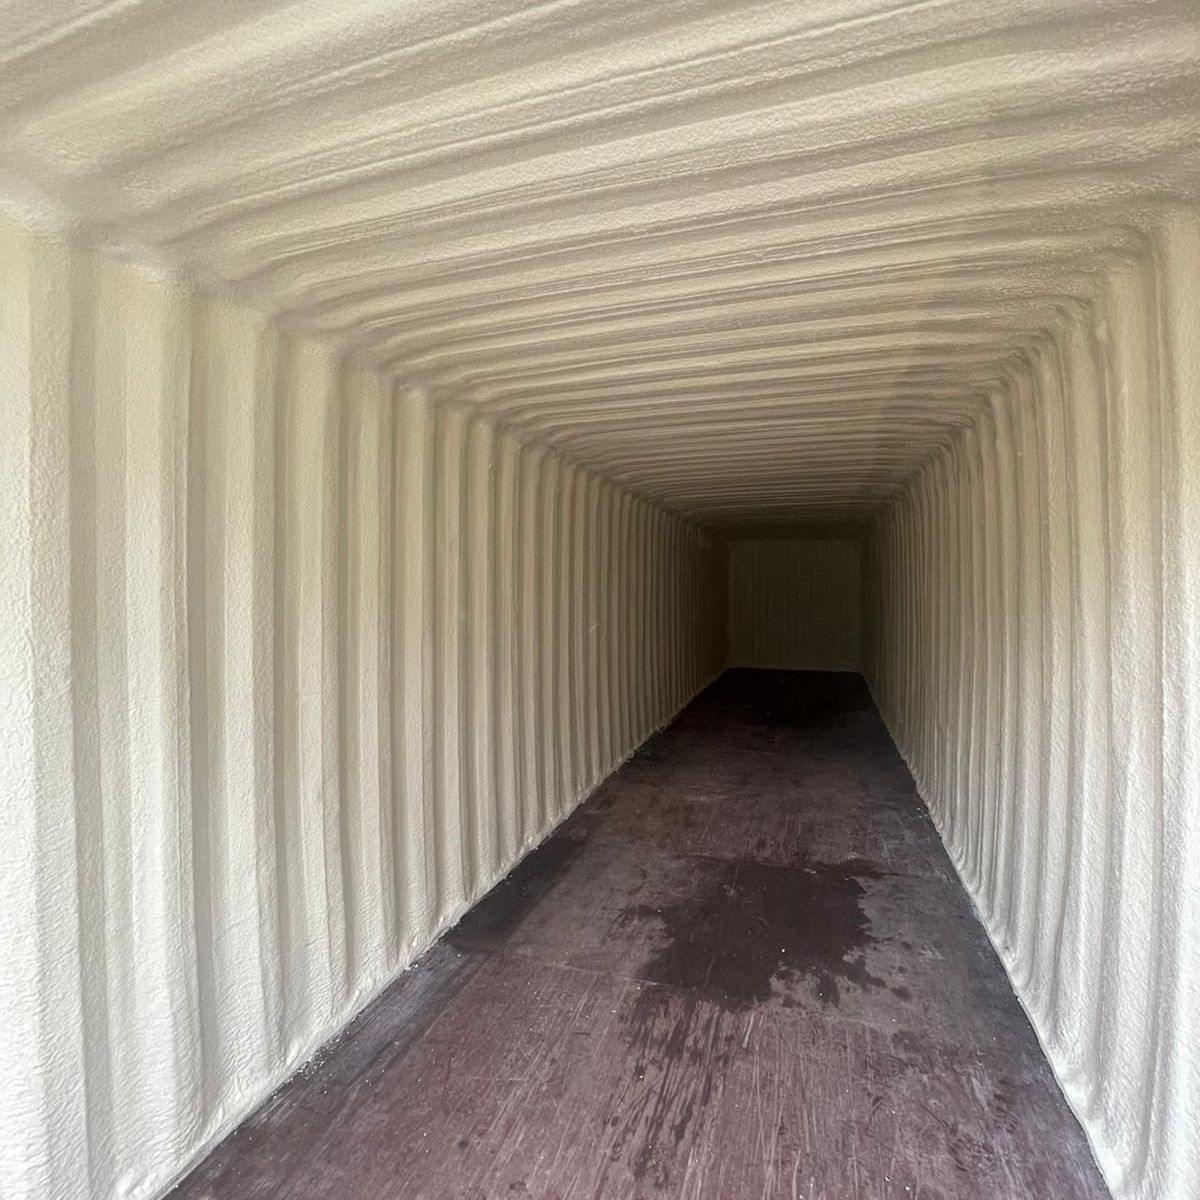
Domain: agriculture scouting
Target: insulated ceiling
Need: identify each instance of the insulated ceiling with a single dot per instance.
(756, 261)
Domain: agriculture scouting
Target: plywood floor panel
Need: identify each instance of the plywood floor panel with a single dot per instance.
(744, 968)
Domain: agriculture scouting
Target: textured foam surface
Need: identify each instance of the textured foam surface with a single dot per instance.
(478, 314)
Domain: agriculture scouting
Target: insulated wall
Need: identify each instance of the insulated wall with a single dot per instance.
(292, 669)
(796, 603)
(1037, 650)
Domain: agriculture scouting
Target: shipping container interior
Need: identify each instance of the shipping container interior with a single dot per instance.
(600, 599)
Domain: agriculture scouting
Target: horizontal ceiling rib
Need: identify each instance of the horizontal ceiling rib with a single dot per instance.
(734, 254)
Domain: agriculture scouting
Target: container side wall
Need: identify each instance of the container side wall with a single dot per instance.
(293, 668)
(1035, 648)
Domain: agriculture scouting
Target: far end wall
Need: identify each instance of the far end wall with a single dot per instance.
(796, 603)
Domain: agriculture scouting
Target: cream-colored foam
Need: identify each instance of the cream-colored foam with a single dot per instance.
(1038, 659)
(294, 668)
(749, 258)
(926, 263)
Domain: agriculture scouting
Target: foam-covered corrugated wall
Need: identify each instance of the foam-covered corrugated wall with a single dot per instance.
(292, 668)
(796, 603)
(1037, 652)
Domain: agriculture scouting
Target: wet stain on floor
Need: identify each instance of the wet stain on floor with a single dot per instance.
(749, 926)
(805, 923)
(744, 967)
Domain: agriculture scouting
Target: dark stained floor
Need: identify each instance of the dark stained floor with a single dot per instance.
(744, 968)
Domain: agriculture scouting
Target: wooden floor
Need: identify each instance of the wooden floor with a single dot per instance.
(744, 968)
